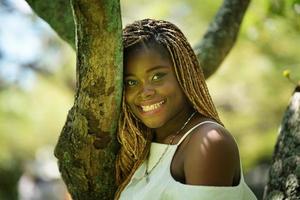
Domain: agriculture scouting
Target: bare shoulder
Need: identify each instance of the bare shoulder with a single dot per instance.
(211, 157)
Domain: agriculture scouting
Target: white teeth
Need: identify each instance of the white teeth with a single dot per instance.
(152, 107)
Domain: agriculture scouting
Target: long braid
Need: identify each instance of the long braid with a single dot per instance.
(134, 137)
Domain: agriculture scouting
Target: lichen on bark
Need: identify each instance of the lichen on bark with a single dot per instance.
(284, 176)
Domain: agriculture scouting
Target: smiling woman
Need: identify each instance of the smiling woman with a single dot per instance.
(152, 91)
(173, 144)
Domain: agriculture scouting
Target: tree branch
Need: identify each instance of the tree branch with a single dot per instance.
(221, 35)
(58, 14)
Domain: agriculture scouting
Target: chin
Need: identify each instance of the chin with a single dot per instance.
(152, 124)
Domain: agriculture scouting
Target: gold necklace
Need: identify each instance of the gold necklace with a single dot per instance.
(162, 155)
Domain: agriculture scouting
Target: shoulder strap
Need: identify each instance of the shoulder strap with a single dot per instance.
(189, 131)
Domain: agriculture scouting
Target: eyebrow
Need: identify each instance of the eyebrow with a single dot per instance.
(150, 70)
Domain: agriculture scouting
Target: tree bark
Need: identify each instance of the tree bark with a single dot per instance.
(284, 174)
(87, 146)
(212, 49)
(221, 35)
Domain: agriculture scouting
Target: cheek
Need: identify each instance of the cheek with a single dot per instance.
(128, 100)
(173, 88)
(129, 97)
(176, 93)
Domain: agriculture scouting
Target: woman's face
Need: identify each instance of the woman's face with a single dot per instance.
(151, 88)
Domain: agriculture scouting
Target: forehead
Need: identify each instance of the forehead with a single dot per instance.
(143, 57)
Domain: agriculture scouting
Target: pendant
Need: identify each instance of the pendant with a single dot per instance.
(147, 176)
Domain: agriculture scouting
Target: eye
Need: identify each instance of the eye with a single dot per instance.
(158, 76)
(130, 83)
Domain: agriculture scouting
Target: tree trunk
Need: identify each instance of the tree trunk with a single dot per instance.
(284, 174)
(87, 146)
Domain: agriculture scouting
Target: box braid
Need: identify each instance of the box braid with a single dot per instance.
(134, 136)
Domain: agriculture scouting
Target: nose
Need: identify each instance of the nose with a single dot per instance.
(147, 91)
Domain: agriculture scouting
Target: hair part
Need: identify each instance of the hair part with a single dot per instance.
(134, 137)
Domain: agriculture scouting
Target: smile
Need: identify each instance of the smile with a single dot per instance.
(152, 107)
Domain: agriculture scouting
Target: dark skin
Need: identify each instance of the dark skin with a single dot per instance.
(209, 155)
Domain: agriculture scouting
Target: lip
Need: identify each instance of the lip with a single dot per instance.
(149, 103)
(152, 111)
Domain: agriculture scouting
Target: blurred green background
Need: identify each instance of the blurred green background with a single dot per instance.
(37, 78)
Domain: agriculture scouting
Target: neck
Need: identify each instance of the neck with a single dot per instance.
(163, 134)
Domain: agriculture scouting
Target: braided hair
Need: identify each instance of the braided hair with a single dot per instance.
(134, 137)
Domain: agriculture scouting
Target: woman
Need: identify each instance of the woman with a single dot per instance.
(173, 144)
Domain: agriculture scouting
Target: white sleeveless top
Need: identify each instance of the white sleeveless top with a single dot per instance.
(160, 185)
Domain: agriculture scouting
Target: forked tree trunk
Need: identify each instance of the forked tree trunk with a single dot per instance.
(87, 146)
(211, 50)
(284, 174)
